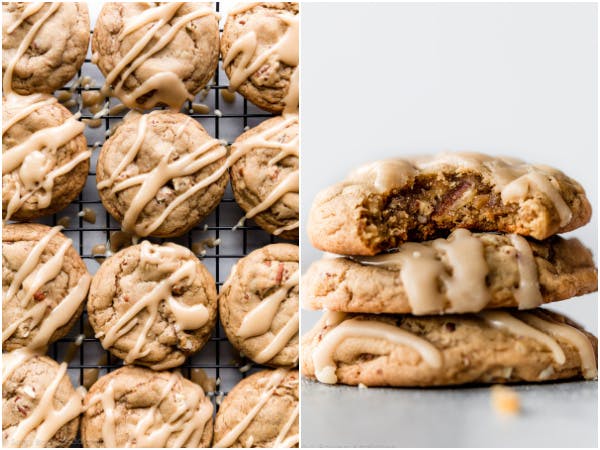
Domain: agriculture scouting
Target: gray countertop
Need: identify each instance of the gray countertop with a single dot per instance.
(552, 415)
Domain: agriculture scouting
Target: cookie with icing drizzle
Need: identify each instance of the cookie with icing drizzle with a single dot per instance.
(138, 407)
(156, 53)
(44, 285)
(40, 407)
(43, 44)
(258, 305)
(160, 173)
(260, 53)
(260, 411)
(265, 178)
(153, 305)
(385, 203)
(497, 346)
(467, 272)
(45, 159)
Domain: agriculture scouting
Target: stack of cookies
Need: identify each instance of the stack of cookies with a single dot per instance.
(447, 260)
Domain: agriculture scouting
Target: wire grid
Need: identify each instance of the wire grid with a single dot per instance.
(218, 358)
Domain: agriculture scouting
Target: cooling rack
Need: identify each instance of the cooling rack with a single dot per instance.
(225, 120)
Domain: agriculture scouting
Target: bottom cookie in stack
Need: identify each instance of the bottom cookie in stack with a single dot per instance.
(498, 346)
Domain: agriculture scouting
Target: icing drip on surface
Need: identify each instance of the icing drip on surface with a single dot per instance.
(173, 259)
(45, 419)
(165, 86)
(528, 293)
(29, 279)
(286, 50)
(234, 433)
(323, 354)
(153, 430)
(422, 270)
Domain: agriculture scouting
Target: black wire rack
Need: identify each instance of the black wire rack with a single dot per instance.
(225, 120)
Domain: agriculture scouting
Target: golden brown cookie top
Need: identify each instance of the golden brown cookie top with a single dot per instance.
(260, 54)
(260, 411)
(259, 305)
(43, 44)
(153, 304)
(161, 173)
(139, 407)
(265, 177)
(156, 54)
(40, 407)
(44, 156)
(44, 285)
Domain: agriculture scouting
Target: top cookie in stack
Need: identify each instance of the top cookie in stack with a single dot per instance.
(493, 220)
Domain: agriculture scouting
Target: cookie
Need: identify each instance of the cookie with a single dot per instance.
(265, 176)
(464, 273)
(43, 45)
(160, 173)
(499, 346)
(153, 305)
(44, 285)
(137, 407)
(258, 305)
(260, 411)
(386, 203)
(45, 159)
(156, 54)
(260, 52)
(40, 407)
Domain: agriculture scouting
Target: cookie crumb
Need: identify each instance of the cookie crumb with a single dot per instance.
(88, 214)
(64, 221)
(119, 240)
(199, 108)
(362, 386)
(505, 400)
(93, 123)
(64, 96)
(228, 95)
(218, 113)
(245, 368)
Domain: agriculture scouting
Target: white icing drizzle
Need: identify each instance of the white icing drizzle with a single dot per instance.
(45, 419)
(528, 293)
(186, 317)
(153, 430)
(285, 50)
(513, 179)
(280, 441)
(32, 276)
(280, 340)
(323, 354)
(234, 433)
(166, 86)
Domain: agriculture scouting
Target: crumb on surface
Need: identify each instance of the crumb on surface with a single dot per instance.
(505, 400)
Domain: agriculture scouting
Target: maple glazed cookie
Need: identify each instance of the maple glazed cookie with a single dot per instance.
(498, 346)
(138, 407)
(43, 44)
(265, 175)
(45, 159)
(153, 304)
(160, 173)
(40, 407)
(386, 203)
(260, 54)
(260, 411)
(44, 285)
(258, 305)
(156, 53)
(464, 273)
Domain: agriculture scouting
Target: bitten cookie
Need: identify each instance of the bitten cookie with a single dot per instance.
(44, 285)
(463, 273)
(260, 411)
(386, 203)
(265, 176)
(137, 407)
(40, 407)
(160, 173)
(43, 44)
(500, 346)
(258, 305)
(260, 54)
(156, 54)
(45, 159)
(153, 305)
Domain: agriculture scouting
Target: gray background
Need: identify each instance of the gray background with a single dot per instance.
(384, 80)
